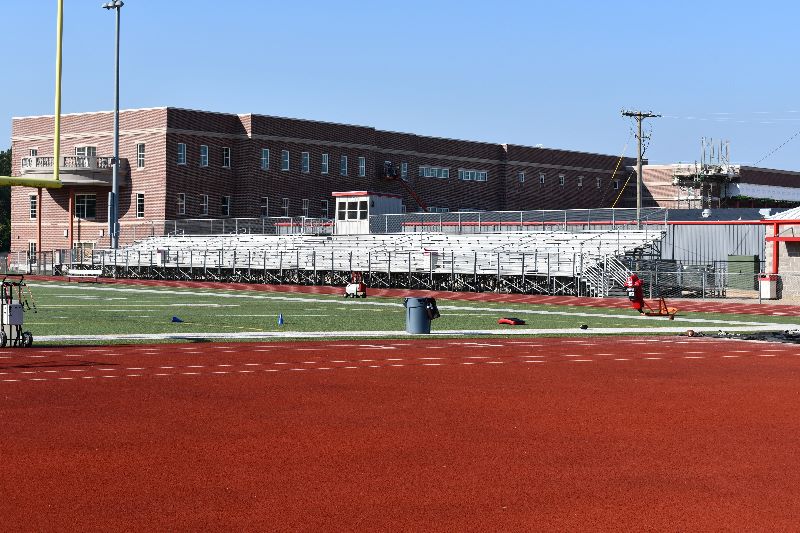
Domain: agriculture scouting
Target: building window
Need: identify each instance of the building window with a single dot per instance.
(598, 183)
(362, 167)
(438, 210)
(324, 164)
(225, 206)
(203, 155)
(264, 207)
(304, 162)
(181, 203)
(323, 209)
(616, 185)
(87, 151)
(140, 155)
(226, 157)
(561, 180)
(286, 207)
(264, 158)
(34, 203)
(404, 170)
(139, 205)
(472, 175)
(352, 210)
(521, 177)
(343, 165)
(284, 159)
(305, 207)
(434, 172)
(541, 178)
(204, 204)
(580, 181)
(33, 152)
(32, 249)
(85, 206)
(181, 153)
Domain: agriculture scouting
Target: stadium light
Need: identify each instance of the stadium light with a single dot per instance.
(113, 204)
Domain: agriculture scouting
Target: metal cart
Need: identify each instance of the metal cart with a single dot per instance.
(15, 299)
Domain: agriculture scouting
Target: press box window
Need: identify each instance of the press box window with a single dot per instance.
(140, 205)
(85, 206)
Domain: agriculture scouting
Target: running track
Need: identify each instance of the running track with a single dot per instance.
(440, 435)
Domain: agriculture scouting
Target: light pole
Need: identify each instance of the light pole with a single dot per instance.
(113, 199)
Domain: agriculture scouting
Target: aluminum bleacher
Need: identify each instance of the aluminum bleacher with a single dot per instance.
(541, 258)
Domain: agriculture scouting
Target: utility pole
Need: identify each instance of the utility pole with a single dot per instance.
(113, 203)
(639, 116)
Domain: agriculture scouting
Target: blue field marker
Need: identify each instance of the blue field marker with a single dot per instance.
(280, 319)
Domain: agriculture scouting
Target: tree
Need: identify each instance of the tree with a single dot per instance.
(5, 202)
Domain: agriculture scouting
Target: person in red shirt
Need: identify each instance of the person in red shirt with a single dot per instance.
(635, 292)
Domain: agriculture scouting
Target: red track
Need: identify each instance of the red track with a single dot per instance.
(524, 434)
(685, 305)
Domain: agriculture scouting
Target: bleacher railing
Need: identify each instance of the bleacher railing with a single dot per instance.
(575, 220)
(221, 226)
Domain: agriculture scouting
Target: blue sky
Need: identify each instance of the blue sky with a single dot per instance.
(550, 73)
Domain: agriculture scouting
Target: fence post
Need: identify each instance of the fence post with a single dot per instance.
(459, 223)
(386, 223)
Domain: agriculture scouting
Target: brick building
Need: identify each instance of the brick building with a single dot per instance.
(180, 163)
(681, 186)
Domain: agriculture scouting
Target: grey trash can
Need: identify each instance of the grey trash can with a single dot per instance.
(419, 313)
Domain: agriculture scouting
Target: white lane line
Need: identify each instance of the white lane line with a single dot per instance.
(224, 365)
(581, 360)
(430, 358)
(494, 362)
(162, 374)
(652, 358)
(245, 371)
(166, 367)
(621, 359)
(694, 357)
(252, 364)
(765, 355)
(187, 374)
(431, 364)
(187, 366)
(729, 356)
(532, 361)
(297, 369)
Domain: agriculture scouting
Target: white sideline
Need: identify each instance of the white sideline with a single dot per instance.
(448, 333)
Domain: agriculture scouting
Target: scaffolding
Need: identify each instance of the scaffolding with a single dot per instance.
(703, 184)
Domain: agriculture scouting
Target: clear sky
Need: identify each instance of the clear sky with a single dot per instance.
(535, 72)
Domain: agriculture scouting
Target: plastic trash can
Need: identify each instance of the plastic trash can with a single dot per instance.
(419, 313)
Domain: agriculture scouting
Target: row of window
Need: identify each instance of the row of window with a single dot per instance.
(85, 206)
(444, 173)
(562, 180)
(264, 206)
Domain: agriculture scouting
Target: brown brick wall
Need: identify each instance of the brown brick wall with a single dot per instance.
(162, 178)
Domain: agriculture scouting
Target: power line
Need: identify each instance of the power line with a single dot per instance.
(787, 141)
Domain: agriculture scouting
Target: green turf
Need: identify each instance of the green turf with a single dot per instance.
(89, 309)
